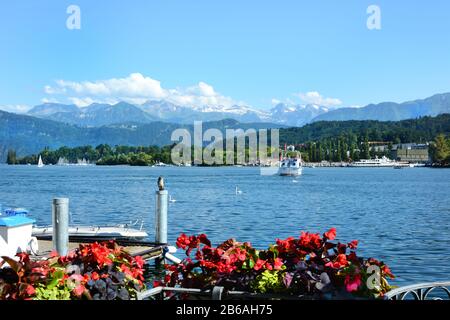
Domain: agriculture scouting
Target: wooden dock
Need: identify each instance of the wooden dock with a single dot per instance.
(147, 250)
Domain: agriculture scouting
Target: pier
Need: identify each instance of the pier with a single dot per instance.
(61, 242)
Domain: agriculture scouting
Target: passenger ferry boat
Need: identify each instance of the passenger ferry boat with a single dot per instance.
(290, 166)
(383, 162)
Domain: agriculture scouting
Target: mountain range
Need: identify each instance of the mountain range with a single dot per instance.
(96, 115)
(54, 125)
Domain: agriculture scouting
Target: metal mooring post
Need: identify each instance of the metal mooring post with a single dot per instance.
(60, 221)
(161, 215)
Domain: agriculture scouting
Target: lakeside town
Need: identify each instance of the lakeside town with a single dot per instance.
(387, 154)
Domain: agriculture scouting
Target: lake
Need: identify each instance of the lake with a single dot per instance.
(399, 216)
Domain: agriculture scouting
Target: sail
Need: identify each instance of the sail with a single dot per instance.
(40, 163)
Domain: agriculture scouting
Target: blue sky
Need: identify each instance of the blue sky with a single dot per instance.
(253, 52)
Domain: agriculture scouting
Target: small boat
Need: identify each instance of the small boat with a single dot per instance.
(238, 191)
(160, 164)
(172, 199)
(119, 232)
(40, 163)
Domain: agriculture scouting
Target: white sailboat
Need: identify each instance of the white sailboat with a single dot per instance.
(40, 163)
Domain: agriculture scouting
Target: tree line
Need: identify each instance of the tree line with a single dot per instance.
(346, 147)
(102, 154)
(418, 130)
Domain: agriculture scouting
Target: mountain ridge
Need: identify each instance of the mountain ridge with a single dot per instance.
(96, 115)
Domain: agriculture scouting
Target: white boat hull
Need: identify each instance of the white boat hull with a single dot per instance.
(292, 171)
(93, 232)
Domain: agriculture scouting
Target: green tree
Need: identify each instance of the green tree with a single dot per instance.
(440, 150)
(366, 148)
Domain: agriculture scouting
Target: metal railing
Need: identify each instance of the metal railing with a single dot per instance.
(421, 291)
(216, 293)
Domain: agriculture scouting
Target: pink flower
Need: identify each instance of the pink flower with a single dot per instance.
(352, 284)
(259, 264)
(79, 290)
(277, 264)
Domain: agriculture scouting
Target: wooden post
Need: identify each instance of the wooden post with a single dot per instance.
(60, 221)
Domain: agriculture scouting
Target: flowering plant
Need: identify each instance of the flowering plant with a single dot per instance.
(309, 266)
(92, 271)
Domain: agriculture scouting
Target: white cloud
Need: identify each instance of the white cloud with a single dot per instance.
(136, 88)
(275, 101)
(314, 97)
(18, 108)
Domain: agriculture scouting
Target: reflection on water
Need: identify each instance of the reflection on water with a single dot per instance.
(400, 216)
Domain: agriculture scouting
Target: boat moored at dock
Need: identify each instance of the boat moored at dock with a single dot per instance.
(93, 232)
(378, 162)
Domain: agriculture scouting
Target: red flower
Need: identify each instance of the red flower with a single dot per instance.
(353, 245)
(259, 264)
(330, 234)
(352, 283)
(95, 276)
(158, 283)
(387, 271)
(183, 241)
(125, 269)
(285, 245)
(341, 260)
(310, 240)
(139, 261)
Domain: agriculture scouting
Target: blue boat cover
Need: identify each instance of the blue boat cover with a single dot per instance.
(15, 221)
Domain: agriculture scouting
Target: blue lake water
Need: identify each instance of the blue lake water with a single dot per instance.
(399, 216)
